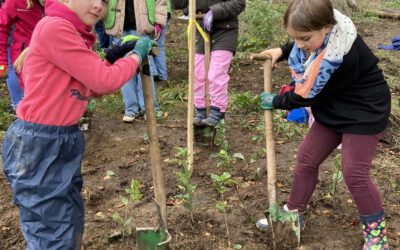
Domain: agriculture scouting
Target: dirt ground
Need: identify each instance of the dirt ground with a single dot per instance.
(114, 146)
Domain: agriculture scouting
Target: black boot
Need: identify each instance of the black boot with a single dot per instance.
(200, 114)
(214, 117)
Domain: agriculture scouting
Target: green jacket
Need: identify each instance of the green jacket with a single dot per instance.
(147, 13)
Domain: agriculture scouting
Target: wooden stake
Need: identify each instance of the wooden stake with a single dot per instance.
(192, 51)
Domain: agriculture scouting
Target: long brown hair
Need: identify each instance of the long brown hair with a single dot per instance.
(309, 15)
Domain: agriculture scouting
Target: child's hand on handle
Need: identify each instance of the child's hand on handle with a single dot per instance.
(121, 48)
(3, 70)
(267, 101)
(275, 53)
(142, 48)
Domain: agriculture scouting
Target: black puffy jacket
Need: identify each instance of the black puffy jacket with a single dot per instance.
(225, 30)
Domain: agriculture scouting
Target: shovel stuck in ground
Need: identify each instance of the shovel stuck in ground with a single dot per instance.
(284, 225)
(153, 238)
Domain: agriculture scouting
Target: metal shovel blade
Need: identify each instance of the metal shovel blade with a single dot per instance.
(150, 238)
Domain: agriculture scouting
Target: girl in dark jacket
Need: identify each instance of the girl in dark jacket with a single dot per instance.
(336, 74)
(221, 22)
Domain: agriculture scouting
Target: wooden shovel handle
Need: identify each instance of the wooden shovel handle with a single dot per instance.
(155, 156)
(269, 129)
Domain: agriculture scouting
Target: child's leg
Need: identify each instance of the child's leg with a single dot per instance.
(219, 78)
(43, 165)
(130, 96)
(13, 85)
(316, 146)
(357, 154)
(199, 81)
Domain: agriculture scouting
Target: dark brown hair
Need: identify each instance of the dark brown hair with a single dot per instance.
(309, 15)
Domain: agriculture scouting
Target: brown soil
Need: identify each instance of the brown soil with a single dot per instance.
(121, 148)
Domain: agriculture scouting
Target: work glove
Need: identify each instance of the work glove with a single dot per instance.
(121, 48)
(267, 100)
(157, 31)
(142, 48)
(3, 70)
(208, 21)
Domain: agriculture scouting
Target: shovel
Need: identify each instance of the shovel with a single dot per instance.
(285, 226)
(153, 238)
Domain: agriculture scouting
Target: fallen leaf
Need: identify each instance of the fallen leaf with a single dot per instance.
(106, 178)
(100, 214)
(326, 211)
(100, 187)
(166, 114)
(166, 160)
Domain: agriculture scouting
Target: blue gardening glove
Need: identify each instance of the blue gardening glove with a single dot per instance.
(142, 48)
(266, 101)
(208, 21)
(121, 48)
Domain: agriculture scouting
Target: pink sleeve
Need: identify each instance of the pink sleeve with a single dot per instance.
(70, 54)
(7, 14)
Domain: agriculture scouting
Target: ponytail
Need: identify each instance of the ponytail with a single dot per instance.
(20, 60)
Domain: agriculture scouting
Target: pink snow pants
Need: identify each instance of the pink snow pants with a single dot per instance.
(218, 77)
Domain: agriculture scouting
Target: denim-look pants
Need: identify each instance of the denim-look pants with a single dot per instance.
(43, 166)
(13, 86)
(160, 60)
(132, 91)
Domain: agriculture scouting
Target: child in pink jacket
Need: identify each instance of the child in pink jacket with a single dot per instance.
(43, 149)
(24, 14)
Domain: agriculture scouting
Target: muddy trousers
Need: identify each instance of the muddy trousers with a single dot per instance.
(357, 153)
(220, 61)
(43, 166)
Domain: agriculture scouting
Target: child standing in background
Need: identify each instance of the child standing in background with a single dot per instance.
(221, 22)
(336, 75)
(43, 149)
(140, 18)
(18, 18)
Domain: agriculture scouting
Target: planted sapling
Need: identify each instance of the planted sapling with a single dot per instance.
(134, 195)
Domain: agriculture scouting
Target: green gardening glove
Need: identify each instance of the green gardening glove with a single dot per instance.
(142, 48)
(266, 101)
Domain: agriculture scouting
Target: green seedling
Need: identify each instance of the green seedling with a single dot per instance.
(134, 196)
(221, 206)
(222, 181)
(337, 177)
(220, 139)
(225, 159)
(184, 181)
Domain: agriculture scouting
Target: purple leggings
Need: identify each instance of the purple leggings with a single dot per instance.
(357, 153)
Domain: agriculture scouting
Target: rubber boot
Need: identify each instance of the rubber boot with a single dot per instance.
(214, 117)
(200, 114)
(374, 231)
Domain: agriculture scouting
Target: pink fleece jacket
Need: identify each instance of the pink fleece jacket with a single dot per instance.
(60, 72)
